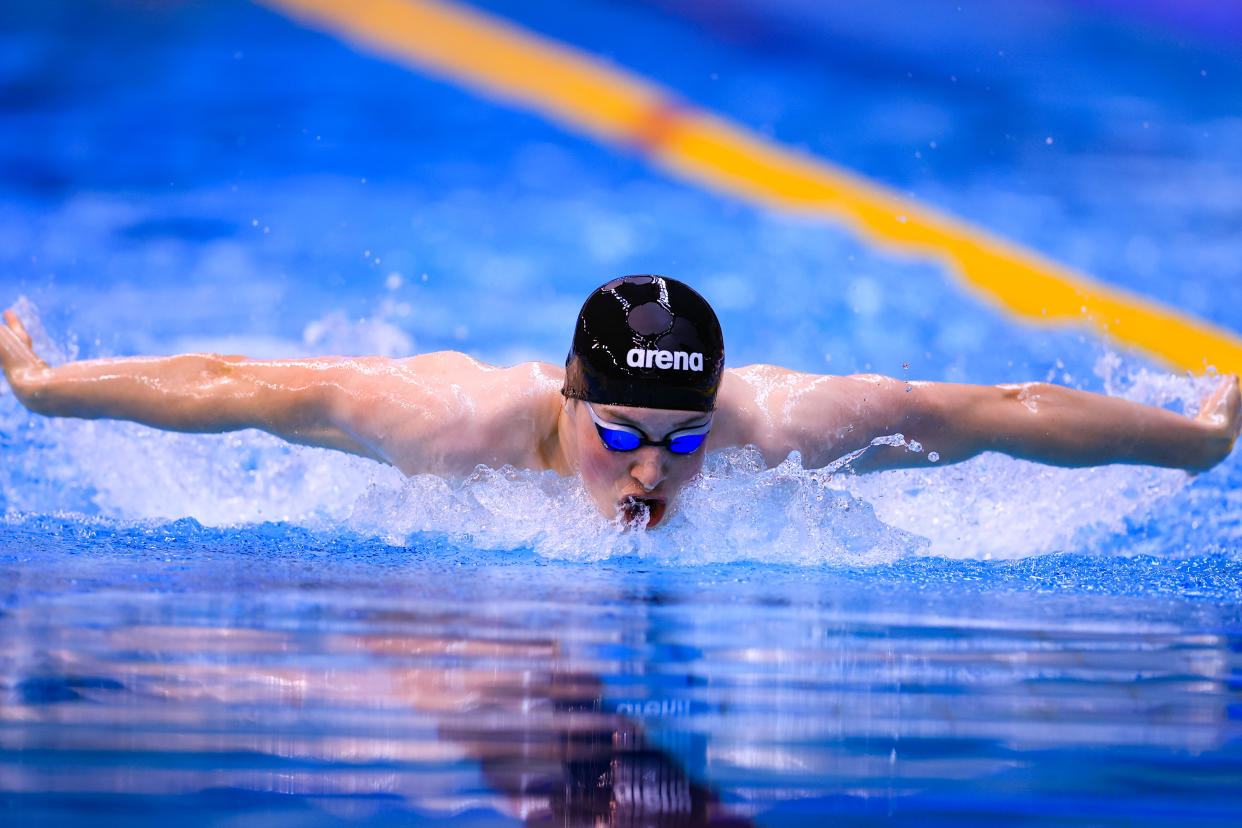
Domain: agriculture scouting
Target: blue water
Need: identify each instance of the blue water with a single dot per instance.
(227, 629)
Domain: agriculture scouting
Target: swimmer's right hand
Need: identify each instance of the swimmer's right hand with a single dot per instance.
(25, 371)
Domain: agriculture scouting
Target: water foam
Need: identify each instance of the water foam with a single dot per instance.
(736, 510)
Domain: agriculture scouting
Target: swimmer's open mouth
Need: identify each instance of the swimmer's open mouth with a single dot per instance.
(635, 509)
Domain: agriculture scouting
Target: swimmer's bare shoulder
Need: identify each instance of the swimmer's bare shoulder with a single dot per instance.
(446, 412)
(822, 416)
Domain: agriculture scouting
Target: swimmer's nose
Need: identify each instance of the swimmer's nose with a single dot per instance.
(648, 468)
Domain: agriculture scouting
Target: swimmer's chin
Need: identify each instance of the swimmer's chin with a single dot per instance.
(644, 512)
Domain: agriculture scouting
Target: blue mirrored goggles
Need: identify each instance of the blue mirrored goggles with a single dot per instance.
(617, 437)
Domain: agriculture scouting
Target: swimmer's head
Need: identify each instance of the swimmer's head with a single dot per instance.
(646, 342)
(641, 381)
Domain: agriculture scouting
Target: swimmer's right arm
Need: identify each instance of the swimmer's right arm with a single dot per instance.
(298, 400)
(441, 413)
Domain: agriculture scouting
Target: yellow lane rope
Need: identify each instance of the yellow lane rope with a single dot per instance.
(581, 91)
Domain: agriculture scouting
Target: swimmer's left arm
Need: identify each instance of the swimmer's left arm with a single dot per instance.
(828, 417)
(1065, 426)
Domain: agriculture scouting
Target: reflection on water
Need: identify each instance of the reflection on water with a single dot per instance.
(154, 710)
(247, 674)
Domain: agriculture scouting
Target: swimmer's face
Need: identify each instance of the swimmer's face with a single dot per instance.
(623, 482)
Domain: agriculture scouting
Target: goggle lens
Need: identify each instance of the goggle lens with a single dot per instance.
(617, 440)
(686, 444)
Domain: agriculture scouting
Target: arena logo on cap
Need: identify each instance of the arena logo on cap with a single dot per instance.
(675, 360)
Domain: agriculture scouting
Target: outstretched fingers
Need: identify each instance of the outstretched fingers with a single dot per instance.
(1222, 406)
(10, 343)
(15, 324)
(16, 349)
(1229, 404)
(1222, 414)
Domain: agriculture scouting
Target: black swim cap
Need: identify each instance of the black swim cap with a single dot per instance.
(646, 341)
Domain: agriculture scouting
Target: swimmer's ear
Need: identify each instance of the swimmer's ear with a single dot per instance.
(18, 328)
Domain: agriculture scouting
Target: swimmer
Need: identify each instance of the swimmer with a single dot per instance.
(643, 396)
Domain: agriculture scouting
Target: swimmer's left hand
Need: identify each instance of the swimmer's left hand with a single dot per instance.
(1222, 414)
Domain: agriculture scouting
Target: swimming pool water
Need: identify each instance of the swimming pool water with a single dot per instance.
(271, 672)
(226, 629)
